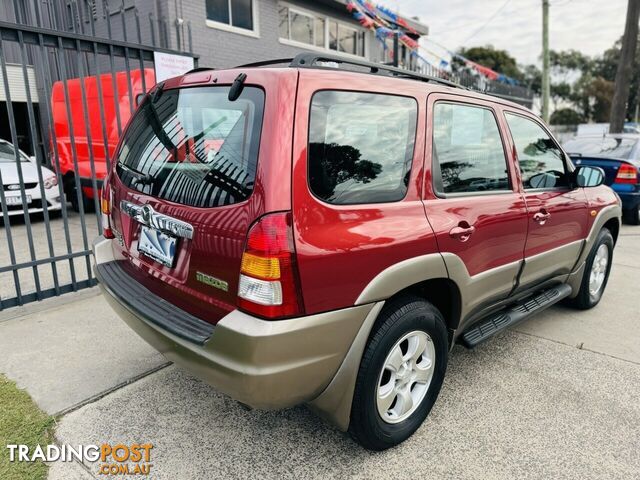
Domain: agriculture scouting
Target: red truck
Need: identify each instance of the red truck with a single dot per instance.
(114, 103)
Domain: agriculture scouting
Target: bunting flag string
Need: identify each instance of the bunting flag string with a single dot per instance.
(386, 24)
(382, 22)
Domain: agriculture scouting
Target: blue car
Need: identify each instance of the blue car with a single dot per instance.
(619, 156)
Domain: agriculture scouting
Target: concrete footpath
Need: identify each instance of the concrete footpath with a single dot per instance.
(556, 397)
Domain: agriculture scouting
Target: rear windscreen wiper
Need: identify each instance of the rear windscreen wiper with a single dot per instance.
(142, 178)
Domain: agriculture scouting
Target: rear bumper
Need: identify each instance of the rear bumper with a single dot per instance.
(264, 364)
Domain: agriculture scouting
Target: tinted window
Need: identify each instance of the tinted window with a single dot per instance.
(360, 146)
(541, 161)
(193, 146)
(242, 14)
(238, 13)
(468, 149)
(601, 146)
(218, 10)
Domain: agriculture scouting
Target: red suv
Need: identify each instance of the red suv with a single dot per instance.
(325, 231)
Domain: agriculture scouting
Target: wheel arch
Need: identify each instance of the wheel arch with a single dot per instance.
(334, 403)
(443, 293)
(610, 217)
(613, 225)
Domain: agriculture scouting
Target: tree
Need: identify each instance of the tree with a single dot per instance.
(565, 63)
(600, 91)
(532, 78)
(560, 92)
(566, 116)
(606, 67)
(498, 60)
(625, 68)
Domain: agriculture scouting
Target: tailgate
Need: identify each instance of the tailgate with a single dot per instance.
(182, 198)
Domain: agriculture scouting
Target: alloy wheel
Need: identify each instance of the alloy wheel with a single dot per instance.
(405, 377)
(598, 270)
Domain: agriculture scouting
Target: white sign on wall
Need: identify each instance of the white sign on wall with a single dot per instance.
(168, 65)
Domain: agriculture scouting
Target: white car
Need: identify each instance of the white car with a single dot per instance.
(32, 191)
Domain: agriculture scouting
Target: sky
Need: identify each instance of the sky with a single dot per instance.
(591, 26)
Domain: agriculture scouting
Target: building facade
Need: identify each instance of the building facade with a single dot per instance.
(223, 33)
(230, 32)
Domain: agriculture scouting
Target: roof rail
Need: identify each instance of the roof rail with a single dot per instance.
(310, 60)
(266, 62)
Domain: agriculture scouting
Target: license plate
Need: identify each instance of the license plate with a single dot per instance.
(157, 245)
(17, 200)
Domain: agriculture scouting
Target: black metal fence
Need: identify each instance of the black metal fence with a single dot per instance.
(64, 99)
(516, 93)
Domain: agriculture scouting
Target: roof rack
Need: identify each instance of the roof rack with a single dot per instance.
(312, 60)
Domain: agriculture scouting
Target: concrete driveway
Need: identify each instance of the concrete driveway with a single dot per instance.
(556, 397)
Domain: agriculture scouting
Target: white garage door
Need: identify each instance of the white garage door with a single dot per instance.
(17, 87)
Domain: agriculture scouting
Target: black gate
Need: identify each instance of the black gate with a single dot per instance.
(64, 98)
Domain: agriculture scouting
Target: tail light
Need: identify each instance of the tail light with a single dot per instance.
(105, 208)
(627, 174)
(269, 283)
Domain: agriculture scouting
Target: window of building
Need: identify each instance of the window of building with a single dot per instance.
(302, 27)
(468, 150)
(317, 30)
(320, 29)
(232, 13)
(541, 160)
(360, 146)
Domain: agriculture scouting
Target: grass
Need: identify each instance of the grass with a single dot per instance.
(21, 422)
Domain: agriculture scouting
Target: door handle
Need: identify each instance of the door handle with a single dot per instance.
(542, 216)
(462, 232)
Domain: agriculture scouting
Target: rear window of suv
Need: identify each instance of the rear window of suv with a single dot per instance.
(193, 146)
(360, 146)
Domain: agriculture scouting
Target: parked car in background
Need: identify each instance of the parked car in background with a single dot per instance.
(619, 156)
(116, 107)
(310, 234)
(589, 129)
(32, 189)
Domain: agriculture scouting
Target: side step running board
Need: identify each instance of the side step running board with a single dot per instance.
(506, 318)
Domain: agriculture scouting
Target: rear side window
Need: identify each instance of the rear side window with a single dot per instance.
(541, 160)
(468, 150)
(360, 146)
(193, 146)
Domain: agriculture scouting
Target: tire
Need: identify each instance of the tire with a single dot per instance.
(412, 322)
(632, 216)
(588, 298)
(72, 197)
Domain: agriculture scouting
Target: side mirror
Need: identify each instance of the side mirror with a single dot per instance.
(543, 180)
(589, 176)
